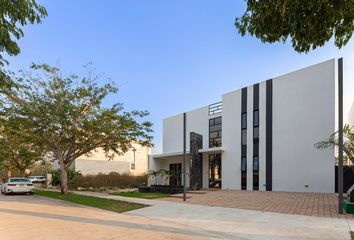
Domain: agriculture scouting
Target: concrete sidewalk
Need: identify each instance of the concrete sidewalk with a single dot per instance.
(232, 223)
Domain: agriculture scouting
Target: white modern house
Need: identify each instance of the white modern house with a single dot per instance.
(260, 137)
(134, 162)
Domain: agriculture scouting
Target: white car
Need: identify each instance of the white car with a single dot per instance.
(17, 185)
(37, 179)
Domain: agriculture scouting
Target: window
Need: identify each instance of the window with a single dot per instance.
(244, 137)
(215, 170)
(176, 174)
(243, 173)
(132, 166)
(215, 132)
(256, 132)
(255, 173)
(256, 163)
(256, 149)
(243, 164)
(244, 121)
(255, 118)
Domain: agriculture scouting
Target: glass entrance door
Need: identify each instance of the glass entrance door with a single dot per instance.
(215, 171)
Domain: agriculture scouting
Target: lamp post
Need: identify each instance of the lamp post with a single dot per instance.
(340, 135)
(184, 157)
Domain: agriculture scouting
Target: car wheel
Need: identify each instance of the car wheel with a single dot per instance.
(5, 193)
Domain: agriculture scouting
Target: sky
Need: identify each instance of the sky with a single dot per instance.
(166, 57)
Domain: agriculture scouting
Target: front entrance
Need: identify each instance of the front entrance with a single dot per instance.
(215, 170)
(176, 173)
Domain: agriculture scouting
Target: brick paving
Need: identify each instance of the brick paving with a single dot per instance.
(309, 204)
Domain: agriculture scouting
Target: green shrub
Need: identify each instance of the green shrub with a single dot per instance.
(72, 174)
(111, 180)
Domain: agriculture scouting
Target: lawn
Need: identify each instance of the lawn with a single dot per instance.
(352, 235)
(141, 195)
(107, 204)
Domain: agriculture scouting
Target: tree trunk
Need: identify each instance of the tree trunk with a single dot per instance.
(22, 172)
(63, 177)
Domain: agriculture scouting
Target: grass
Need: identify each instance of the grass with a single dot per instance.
(352, 235)
(141, 195)
(106, 204)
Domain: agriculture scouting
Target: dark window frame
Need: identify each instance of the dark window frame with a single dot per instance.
(215, 123)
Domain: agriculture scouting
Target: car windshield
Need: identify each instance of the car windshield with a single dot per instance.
(19, 180)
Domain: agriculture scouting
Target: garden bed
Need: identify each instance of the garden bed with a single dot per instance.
(161, 189)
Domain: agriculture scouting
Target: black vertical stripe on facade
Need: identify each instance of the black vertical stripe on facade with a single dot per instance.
(256, 96)
(244, 100)
(255, 139)
(243, 147)
(243, 110)
(269, 135)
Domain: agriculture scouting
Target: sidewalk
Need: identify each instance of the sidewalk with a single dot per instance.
(233, 223)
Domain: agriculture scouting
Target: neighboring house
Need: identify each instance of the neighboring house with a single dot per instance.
(351, 116)
(260, 137)
(133, 162)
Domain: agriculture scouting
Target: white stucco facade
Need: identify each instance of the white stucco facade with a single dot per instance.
(133, 162)
(351, 115)
(295, 111)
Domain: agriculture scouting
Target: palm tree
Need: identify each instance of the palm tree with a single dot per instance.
(155, 174)
(348, 143)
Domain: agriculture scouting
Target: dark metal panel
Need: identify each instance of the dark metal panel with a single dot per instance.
(196, 161)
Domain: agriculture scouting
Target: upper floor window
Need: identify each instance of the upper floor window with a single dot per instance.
(256, 118)
(244, 121)
(215, 132)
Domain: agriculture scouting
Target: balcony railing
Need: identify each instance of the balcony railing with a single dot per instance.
(215, 108)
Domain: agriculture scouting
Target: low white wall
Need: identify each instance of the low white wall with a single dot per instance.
(93, 167)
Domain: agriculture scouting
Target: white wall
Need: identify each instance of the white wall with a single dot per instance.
(303, 114)
(262, 136)
(249, 138)
(94, 167)
(351, 116)
(157, 164)
(173, 134)
(231, 140)
(197, 121)
(97, 162)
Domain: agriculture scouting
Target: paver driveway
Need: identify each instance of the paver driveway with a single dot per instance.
(34, 217)
(309, 204)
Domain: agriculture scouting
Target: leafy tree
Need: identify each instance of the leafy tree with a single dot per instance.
(68, 118)
(15, 14)
(348, 143)
(309, 24)
(17, 150)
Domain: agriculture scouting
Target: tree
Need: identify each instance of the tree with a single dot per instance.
(309, 24)
(15, 14)
(67, 116)
(17, 150)
(348, 144)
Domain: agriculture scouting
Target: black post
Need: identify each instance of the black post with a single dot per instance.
(340, 135)
(184, 157)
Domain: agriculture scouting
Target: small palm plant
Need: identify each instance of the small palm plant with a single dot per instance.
(348, 143)
(155, 174)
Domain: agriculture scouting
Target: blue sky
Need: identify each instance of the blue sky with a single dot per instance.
(166, 56)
